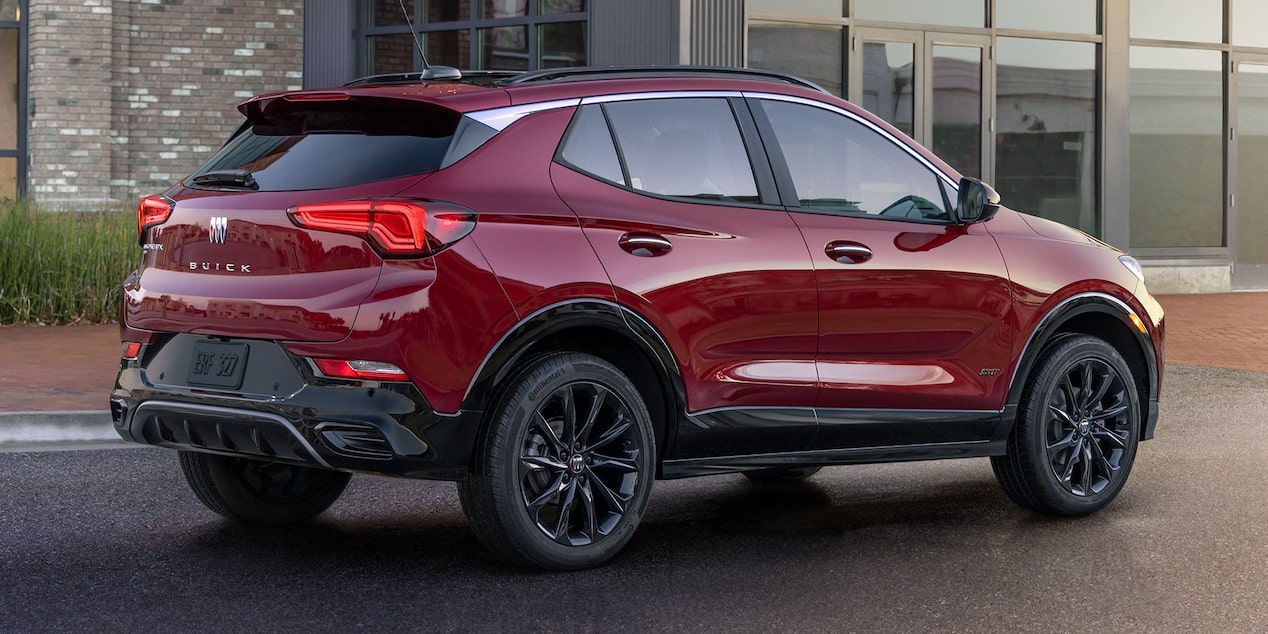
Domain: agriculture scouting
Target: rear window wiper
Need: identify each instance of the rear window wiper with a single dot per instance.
(240, 179)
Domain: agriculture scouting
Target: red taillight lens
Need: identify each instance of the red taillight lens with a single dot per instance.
(131, 350)
(358, 369)
(152, 210)
(396, 228)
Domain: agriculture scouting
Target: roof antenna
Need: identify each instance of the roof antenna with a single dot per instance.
(429, 71)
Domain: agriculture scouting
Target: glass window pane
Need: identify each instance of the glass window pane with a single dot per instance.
(447, 10)
(684, 147)
(9, 10)
(889, 83)
(503, 9)
(563, 44)
(9, 81)
(1068, 16)
(504, 48)
(389, 13)
(589, 146)
(8, 178)
(1177, 153)
(825, 8)
(1045, 140)
(561, 6)
(1186, 20)
(948, 12)
(811, 52)
(449, 48)
(1252, 164)
(391, 53)
(839, 165)
(957, 107)
(1249, 18)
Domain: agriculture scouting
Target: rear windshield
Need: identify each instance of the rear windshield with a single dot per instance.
(323, 149)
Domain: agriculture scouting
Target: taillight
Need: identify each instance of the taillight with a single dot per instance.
(396, 228)
(152, 210)
(359, 369)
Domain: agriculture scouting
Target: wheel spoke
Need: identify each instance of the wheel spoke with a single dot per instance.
(542, 463)
(554, 488)
(619, 426)
(587, 502)
(596, 406)
(615, 503)
(1071, 403)
(570, 416)
(566, 503)
(1109, 413)
(1104, 380)
(1102, 463)
(625, 465)
(543, 427)
(1086, 457)
(1099, 432)
(1063, 415)
(1085, 392)
(1061, 445)
(1072, 460)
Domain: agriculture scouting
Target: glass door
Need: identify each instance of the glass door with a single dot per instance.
(1248, 148)
(932, 86)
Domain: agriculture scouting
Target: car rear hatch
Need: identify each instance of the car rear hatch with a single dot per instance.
(225, 253)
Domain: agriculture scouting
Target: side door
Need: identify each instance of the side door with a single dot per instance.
(684, 217)
(914, 328)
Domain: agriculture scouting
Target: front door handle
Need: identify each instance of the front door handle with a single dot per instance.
(847, 252)
(645, 245)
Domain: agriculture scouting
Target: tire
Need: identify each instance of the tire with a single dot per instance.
(1078, 425)
(781, 474)
(549, 489)
(261, 493)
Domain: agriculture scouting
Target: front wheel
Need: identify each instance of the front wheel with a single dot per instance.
(261, 493)
(1078, 424)
(565, 465)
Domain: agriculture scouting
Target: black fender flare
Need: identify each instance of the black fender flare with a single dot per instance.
(1070, 308)
(544, 322)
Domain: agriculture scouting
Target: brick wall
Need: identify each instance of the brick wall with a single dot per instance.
(128, 96)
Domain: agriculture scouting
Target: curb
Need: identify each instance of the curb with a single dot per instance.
(27, 428)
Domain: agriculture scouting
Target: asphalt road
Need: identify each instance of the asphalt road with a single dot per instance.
(113, 540)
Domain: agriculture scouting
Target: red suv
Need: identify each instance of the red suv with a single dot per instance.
(557, 287)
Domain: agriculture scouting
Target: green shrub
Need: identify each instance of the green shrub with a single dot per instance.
(63, 267)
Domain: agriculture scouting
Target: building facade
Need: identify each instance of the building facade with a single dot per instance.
(1142, 122)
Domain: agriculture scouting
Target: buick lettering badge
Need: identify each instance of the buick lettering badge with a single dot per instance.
(218, 226)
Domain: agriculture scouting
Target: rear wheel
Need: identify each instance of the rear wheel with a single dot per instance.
(1078, 424)
(565, 466)
(261, 493)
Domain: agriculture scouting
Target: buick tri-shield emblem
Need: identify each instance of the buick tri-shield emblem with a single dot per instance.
(218, 226)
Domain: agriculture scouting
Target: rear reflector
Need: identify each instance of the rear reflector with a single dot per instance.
(152, 210)
(131, 350)
(360, 369)
(396, 228)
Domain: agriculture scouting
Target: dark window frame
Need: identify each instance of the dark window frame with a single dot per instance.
(20, 152)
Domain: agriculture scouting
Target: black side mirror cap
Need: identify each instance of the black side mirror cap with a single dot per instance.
(978, 202)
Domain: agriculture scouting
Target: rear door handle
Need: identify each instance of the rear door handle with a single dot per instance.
(645, 245)
(847, 252)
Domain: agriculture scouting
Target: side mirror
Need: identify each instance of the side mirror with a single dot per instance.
(978, 202)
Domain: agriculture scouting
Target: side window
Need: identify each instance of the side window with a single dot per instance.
(589, 146)
(683, 147)
(839, 165)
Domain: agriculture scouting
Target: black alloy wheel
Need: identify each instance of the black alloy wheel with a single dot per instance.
(258, 492)
(1075, 439)
(565, 466)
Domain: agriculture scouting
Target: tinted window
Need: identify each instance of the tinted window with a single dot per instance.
(688, 148)
(589, 146)
(839, 165)
(327, 149)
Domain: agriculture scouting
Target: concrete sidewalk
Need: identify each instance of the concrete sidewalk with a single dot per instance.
(55, 380)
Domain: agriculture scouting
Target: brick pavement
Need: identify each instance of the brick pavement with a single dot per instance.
(57, 368)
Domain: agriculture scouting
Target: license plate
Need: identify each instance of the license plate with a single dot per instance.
(218, 364)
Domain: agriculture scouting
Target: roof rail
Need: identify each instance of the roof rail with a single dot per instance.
(479, 77)
(629, 72)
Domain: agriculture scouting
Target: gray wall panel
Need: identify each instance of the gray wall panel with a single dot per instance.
(636, 32)
(330, 52)
(717, 32)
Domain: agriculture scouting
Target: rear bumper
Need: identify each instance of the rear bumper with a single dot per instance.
(377, 427)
